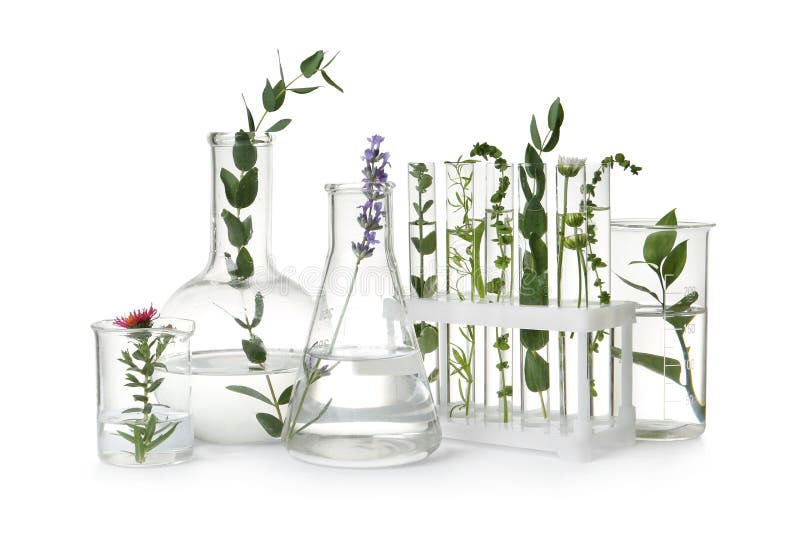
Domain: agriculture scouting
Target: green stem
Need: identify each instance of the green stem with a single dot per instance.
(502, 376)
(698, 408)
(277, 96)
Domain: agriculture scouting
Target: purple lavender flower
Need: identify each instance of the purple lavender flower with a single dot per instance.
(372, 211)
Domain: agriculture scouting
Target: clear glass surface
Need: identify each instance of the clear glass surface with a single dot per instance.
(361, 397)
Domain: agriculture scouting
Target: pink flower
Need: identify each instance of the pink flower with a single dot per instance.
(138, 318)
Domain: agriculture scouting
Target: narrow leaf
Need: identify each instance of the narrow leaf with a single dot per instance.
(250, 392)
(640, 288)
(303, 90)
(280, 125)
(535, 139)
(331, 82)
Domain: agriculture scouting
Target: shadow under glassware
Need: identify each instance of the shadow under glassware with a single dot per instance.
(144, 392)
(240, 271)
(361, 398)
(669, 285)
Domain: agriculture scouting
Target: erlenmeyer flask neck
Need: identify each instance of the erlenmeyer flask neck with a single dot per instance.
(361, 222)
(241, 203)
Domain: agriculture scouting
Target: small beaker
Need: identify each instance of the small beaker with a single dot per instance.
(662, 266)
(361, 397)
(143, 392)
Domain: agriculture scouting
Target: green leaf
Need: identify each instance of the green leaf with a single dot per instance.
(657, 245)
(244, 153)
(250, 392)
(280, 94)
(685, 303)
(539, 254)
(428, 339)
(555, 116)
(237, 234)
(534, 339)
(268, 97)
(248, 228)
(254, 350)
(477, 277)
(535, 169)
(537, 372)
(162, 438)
(231, 184)
(533, 289)
(552, 141)
(251, 125)
(244, 263)
(155, 384)
(126, 436)
(534, 219)
(428, 244)
(311, 64)
(670, 219)
(537, 141)
(259, 311)
(150, 429)
(271, 424)
(433, 376)
(280, 125)
(668, 367)
(331, 82)
(640, 288)
(674, 263)
(303, 90)
(285, 396)
(248, 189)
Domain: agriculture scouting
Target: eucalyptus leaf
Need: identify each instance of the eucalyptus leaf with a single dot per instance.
(244, 153)
(244, 263)
(248, 189)
(311, 64)
(303, 90)
(533, 289)
(279, 125)
(535, 169)
(231, 184)
(539, 254)
(259, 311)
(268, 97)
(271, 424)
(533, 220)
(552, 141)
(534, 339)
(254, 350)
(555, 116)
(237, 234)
(280, 94)
(331, 82)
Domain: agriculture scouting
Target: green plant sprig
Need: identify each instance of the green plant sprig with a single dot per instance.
(424, 244)
(240, 193)
(667, 260)
(145, 433)
(504, 232)
(533, 229)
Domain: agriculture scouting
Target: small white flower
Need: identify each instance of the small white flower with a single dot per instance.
(569, 167)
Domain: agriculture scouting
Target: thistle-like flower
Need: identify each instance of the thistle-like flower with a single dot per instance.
(569, 167)
(138, 318)
(372, 211)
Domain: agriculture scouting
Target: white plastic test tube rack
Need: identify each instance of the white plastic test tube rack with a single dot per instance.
(576, 441)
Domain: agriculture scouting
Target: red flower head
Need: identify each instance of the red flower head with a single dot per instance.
(138, 318)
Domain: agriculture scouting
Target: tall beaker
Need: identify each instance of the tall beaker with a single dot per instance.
(361, 397)
(662, 266)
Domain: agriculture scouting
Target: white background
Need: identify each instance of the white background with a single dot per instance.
(105, 179)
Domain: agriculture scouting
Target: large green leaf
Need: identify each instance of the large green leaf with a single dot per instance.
(537, 372)
(535, 170)
(657, 245)
(244, 153)
(533, 220)
(533, 289)
(270, 423)
(535, 139)
(428, 339)
(237, 233)
(254, 350)
(534, 339)
(268, 97)
(668, 367)
(311, 64)
(248, 189)
(674, 263)
(555, 116)
(244, 263)
(428, 244)
(231, 184)
(538, 254)
(552, 141)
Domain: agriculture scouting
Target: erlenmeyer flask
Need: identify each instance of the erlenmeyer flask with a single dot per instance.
(361, 397)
